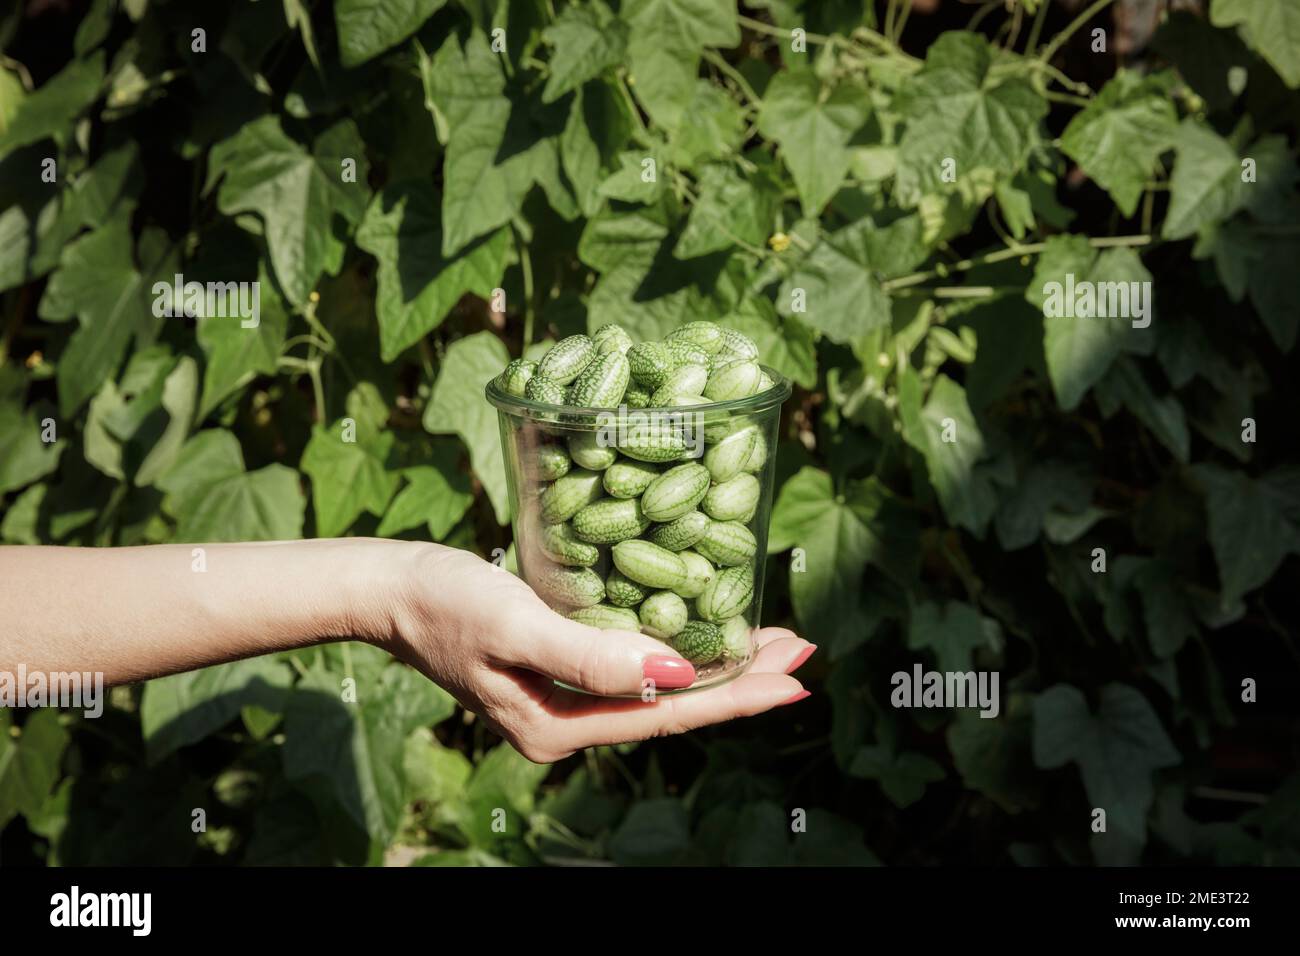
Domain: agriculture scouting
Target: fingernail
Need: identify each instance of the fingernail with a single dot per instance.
(795, 698)
(668, 672)
(799, 661)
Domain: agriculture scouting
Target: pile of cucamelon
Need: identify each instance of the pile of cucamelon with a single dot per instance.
(632, 536)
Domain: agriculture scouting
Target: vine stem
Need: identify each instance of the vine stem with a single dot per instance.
(526, 265)
(736, 77)
(1036, 30)
(1091, 11)
(916, 278)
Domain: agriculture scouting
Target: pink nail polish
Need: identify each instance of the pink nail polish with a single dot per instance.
(795, 698)
(799, 661)
(668, 673)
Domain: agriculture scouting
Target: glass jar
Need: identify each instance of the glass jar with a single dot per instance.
(561, 461)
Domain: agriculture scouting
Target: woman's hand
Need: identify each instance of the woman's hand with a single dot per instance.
(486, 637)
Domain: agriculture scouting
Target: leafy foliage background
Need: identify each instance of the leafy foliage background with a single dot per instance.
(777, 170)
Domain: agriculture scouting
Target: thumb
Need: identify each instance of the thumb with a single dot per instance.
(605, 662)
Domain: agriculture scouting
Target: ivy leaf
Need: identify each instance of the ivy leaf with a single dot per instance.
(24, 457)
(954, 631)
(30, 763)
(1117, 750)
(665, 40)
(214, 499)
(98, 282)
(1046, 486)
(716, 129)
(1121, 133)
(1269, 27)
(1125, 385)
(1080, 350)
(954, 109)
(634, 181)
(457, 406)
(234, 355)
(785, 344)
(995, 758)
(1249, 529)
(732, 210)
(348, 475)
(436, 495)
(183, 709)
(902, 776)
(588, 40)
(813, 132)
(946, 434)
(52, 109)
(265, 173)
(418, 286)
(367, 28)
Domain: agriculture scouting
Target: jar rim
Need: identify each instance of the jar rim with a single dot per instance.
(527, 408)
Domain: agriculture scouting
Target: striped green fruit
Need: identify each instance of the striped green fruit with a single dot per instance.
(569, 494)
(652, 441)
(627, 478)
(607, 617)
(545, 390)
(550, 462)
(737, 380)
(571, 587)
(681, 353)
(757, 457)
(663, 614)
(682, 532)
(650, 364)
(727, 457)
(699, 572)
(702, 334)
(622, 591)
(611, 338)
(727, 543)
(586, 451)
(610, 520)
(561, 545)
(514, 379)
(736, 640)
(567, 359)
(675, 492)
(683, 380)
(735, 346)
(727, 595)
(637, 396)
(602, 383)
(699, 642)
(735, 499)
(649, 564)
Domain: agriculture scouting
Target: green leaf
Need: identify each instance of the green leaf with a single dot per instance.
(902, 776)
(954, 631)
(183, 709)
(994, 756)
(457, 406)
(1043, 488)
(634, 181)
(347, 466)
(437, 496)
(503, 774)
(24, 457)
(1117, 749)
(234, 354)
(813, 132)
(214, 499)
(785, 344)
(367, 28)
(598, 127)
(716, 129)
(732, 210)
(418, 286)
(665, 40)
(30, 764)
(946, 434)
(1121, 133)
(99, 284)
(1080, 350)
(588, 40)
(655, 832)
(1269, 27)
(1249, 529)
(52, 109)
(292, 192)
(1125, 385)
(955, 109)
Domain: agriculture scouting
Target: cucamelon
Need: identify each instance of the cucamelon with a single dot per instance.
(727, 595)
(602, 383)
(571, 587)
(736, 643)
(622, 591)
(514, 380)
(699, 642)
(542, 389)
(704, 335)
(683, 380)
(732, 500)
(567, 359)
(627, 478)
(587, 452)
(675, 492)
(560, 544)
(682, 532)
(610, 520)
(649, 363)
(737, 380)
(727, 543)
(663, 614)
(569, 494)
(699, 572)
(611, 338)
(727, 457)
(649, 564)
(607, 617)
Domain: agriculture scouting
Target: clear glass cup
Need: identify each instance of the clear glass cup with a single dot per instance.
(532, 433)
